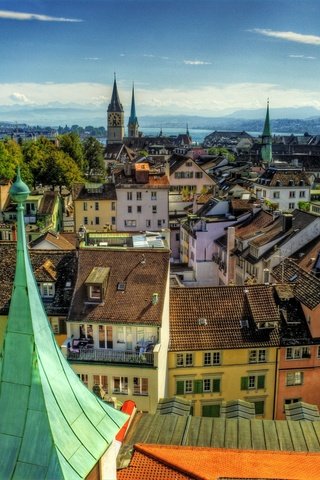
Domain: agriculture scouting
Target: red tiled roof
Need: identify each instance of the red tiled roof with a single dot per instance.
(143, 467)
(46, 264)
(306, 286)
(57, 240)
(155, 180)
(132, 305)
(261, 220)
(286, 177)
(213, 464)
(47, 203)
(270, 232)
(222, 308)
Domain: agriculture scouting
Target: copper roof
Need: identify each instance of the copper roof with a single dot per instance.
(143, 273)
(222, 308)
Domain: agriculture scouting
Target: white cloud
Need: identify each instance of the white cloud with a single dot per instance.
(148, 55)
(11, 15)
(19, 98)
(289, 36)
(196, 62)
(302, 56)
(93, 59)
(212, 99)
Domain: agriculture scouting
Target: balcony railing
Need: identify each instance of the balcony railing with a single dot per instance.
(110, 356)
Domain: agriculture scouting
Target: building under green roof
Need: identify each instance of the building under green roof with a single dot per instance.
(51, 425)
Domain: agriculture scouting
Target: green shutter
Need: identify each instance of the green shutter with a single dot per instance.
(259, 407)
(261, 381)
(180, 388)
(216, 385)
(198, 386)
(211, 410)
(244, 383)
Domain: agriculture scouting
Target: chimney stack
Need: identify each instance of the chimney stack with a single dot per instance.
(287, 219)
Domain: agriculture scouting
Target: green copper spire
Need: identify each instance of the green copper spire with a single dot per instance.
(115, 104)
(133, 126)
(266, 149)
(51, 425)
(133, 115)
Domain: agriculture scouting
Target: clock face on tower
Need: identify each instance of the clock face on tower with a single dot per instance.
(114, 119)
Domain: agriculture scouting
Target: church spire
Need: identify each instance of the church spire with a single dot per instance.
(133, 116)
(51, 425)
(133, 124)
(267, 128)
(266, 149)
(115, 104)
(115, 117)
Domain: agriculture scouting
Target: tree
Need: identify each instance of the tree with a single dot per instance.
(143, 153)
(70, 144)
(223, 152)
(302, 205)
(9, 160)
(93, 154)
(62, 170)
(36, 154)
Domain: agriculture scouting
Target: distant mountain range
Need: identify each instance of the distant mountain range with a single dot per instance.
(285, 120)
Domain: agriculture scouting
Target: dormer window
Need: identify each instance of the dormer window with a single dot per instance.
(266, 325)
(95, 292)
(47, 289)
(96, 284)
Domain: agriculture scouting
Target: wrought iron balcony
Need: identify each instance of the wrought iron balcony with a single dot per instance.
(103, 355)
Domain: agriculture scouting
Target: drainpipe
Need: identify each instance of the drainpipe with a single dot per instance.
(276, 383)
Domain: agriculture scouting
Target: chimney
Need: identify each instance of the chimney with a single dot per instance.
(127, 169)
(287, 219)
(142, 172)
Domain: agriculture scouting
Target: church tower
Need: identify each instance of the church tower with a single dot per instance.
(115, 121)
(266, 149)
(133, 125)
(51, 425)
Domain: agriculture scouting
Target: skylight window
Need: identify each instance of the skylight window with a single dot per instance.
(293, 278)
(121, 286)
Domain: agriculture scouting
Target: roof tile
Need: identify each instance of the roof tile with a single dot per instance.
(223, 308)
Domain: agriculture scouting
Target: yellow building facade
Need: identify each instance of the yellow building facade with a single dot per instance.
(223, 347)
(210, 377)
(95, 207)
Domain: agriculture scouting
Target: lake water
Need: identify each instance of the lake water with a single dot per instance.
(197, 135)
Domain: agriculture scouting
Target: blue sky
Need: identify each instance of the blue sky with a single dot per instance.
(201, 57)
